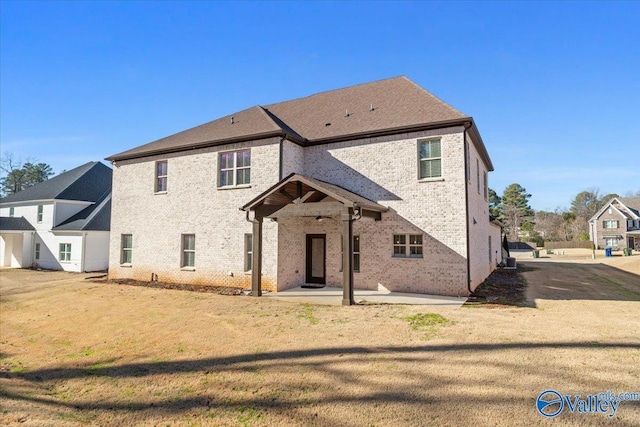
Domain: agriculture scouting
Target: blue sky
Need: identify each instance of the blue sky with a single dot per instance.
(554, 87)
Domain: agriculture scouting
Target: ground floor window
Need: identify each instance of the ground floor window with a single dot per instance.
(37, 250)
(248, 252)
(407, 245)
(188, 250)
(611, 242)
(127, 249)
(65, 252)
(356, 253)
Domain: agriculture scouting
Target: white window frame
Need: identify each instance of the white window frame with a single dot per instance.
(40, 214)
(609, 240)
(12, 212)
(405, 244)
(64, 253)
(234, 169)
(608, 222)
(429, 159)
(161, 178)
(37, 251)
(248, 252)
(185, 250)
(124, 250)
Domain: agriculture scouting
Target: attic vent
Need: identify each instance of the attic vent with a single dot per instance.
(327, 124)
(346, 113)
(372, 108)
(232, 122)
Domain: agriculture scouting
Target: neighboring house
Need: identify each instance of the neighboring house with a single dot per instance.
(617, 224)
(380, 185)
(59, 224)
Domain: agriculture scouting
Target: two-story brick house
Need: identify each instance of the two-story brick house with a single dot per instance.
(376, 185)
(617, 224)
(59, 224)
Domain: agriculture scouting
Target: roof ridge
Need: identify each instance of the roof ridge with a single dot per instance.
(93, 164)
(335, 90)
(434, 97)
(97, 210)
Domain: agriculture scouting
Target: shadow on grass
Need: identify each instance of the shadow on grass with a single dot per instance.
(579, 281)
(263, 369)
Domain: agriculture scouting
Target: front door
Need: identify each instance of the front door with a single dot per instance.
(316, 265)
(632, 243)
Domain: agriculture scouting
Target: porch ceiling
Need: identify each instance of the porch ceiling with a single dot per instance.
(301, 190)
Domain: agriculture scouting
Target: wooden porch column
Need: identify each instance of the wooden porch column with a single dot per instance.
(256, 258)
(347, 259)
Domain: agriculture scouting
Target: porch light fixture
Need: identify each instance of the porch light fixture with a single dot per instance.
(319, 218)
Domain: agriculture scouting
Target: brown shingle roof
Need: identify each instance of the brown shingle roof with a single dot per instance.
(397, 103)
(385, 106)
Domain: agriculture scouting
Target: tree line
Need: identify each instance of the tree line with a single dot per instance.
(524, 223)
(20, 175)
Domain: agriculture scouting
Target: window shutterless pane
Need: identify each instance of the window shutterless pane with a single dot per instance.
(356, 243)
(248, 252)
(161, 184)
(188, 259)
(434, 148)
(189, 242)
(226, 160)
(243, 158)
(356, 262)
(415, 239)
(399, 239)
(399, 250)
(161, 168)
(243, 176)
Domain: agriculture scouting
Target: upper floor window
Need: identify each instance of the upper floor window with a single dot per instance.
(127, 249)
(40, 213)
(430, 159)
(407, 245)
(37, 250)
(188, 250)
(234, 168)
(161, 176)
(486, 185)
(610, 223)
(12, 211)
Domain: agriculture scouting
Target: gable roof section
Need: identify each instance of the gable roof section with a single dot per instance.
(15, 224)
(382, 107)
(346, 197)
(631, 205)
(89, 182)
(96, 217)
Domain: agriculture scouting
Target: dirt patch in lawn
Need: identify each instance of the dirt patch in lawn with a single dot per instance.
(220, 290)
(503, 288)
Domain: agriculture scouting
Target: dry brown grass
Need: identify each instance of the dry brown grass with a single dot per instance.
(82, 353)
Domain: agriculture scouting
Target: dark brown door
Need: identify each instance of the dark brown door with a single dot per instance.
(316, 259)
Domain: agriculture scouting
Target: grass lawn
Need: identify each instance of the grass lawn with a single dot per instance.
(75, 352)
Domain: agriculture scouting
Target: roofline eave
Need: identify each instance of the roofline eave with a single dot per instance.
(204, 144)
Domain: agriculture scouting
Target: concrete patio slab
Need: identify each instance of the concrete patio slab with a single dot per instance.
(333, 296)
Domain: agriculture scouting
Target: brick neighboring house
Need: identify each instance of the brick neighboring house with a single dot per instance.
(59, 224)
(617, 224)
(379, 185)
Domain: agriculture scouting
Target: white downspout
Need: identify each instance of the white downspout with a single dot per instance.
(84, 247)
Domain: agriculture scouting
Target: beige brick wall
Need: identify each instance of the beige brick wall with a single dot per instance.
(479, 226)
(192, 205)
(383, 169)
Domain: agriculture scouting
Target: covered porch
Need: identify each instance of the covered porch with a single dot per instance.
(304, 204)
(16, 242)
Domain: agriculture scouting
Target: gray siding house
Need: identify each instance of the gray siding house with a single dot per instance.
(375, 186)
